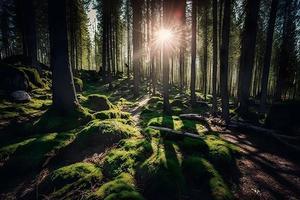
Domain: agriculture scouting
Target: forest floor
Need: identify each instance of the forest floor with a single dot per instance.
(132, 158)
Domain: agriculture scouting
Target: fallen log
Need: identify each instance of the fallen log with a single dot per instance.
(168, 130)
(206, 120)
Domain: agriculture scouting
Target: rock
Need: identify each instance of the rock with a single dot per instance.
(20, 96)
(13, 79)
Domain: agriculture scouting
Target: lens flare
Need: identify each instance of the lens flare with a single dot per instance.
(164, 35)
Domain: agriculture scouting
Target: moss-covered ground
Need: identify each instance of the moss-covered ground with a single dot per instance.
(99, 152)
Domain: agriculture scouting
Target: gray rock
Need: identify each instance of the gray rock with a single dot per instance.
(20, 96)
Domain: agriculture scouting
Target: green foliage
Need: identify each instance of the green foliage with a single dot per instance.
(194, 146)
(70, 181)
(121, 188)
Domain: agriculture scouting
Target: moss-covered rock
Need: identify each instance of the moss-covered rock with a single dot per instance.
(121, 188)
(97, 103)
(71, 181)
(78, 83)
(12, 78)
(53, 120)
(33, 76)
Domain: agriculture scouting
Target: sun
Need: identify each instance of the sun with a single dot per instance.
(164, 35)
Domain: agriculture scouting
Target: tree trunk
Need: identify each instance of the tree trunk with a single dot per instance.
(136, 41)
(193, 52)
(248, 53)
(267, 57)
(28, 27)
(64, 95)
(205, 49)
(182, 6)
(224, 60)
(215, 57)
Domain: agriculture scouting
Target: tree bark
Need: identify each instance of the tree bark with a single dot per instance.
(215, 57)
(224, 51)
(248, 53)
(64, 95)
(267, 57)
(193, 52)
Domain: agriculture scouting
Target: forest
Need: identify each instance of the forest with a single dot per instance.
(149, 99)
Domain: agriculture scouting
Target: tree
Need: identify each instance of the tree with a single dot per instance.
(247, 53)
(26, 16)
(267, 56)
(215, 56)
(193, 52)
(64, 95)
(224, 60)
(181, 9)
(136, 41)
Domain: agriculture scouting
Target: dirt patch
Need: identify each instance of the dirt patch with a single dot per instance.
(265, 170)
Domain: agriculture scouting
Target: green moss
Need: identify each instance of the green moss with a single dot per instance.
(129, 154)
(220, 152)
(200, 174)
(161, 173)
(70, 181)
(78, 83)
(154, 100)
(121, 188)
(194, 146)
(111, 114)
(54, 120)
(97, 103)
(33, 76)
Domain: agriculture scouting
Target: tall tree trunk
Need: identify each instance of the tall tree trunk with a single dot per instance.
(267, 56)
(248, 53)
(137, 40)
(193, 52)
(28, 26)
(224, 51)
(182, 6)
(167, 23)
(205, 48)
(215, 56)
(64, 95)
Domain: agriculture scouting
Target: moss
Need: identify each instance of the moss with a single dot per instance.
(126, 157)
(32, 152)
(220, 152)
(201, 175)
(33, 76)
(78, 83)
(121, 188)
(154, 100)
(194, 146)
(161, 175)
(111, 114)
(54, 120)
(97, 103)
(70, 181)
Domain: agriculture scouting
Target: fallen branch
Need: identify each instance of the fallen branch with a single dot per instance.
(168, 130)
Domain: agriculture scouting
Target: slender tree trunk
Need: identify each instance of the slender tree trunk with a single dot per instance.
(215, 56)
(267, 57)
(182, 6)
(193, 53)
(205, 49)
(224, 51)
(248, 53)
(64, 95)
(136, 41)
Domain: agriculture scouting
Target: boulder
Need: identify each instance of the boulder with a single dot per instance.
(13, 79)
(78, 84)
(20, 96)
